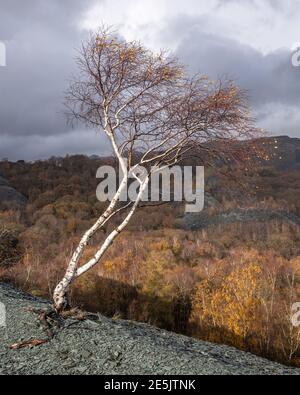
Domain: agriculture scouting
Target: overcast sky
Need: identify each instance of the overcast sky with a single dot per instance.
(249, 40)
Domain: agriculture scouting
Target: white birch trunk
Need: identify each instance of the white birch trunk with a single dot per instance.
(60, 293)
(108, 242)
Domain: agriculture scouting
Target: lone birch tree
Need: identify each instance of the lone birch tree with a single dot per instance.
(153, 114)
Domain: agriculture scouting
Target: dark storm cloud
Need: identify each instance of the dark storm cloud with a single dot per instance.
(272, 83)
(37, 147)
(270, 77)
(40, 37)
(18, 16)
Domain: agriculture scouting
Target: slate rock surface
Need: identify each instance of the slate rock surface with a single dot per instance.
(105, 346)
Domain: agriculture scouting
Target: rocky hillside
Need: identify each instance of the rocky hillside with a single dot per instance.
(202, 220)
(104, 346)
(9, 195)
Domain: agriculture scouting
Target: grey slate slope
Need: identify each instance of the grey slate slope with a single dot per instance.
(114, 347)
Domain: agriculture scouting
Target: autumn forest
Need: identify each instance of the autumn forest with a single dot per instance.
(228, 275)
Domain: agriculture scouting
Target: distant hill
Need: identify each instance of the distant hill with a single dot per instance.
(284, 152)
(276, 176)
(203, 220)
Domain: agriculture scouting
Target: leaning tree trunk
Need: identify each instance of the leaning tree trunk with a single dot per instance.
(60, 293)
(60, 297)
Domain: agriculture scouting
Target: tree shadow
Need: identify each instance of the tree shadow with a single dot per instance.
(117, 299)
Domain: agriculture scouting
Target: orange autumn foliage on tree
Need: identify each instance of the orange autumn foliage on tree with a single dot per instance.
(234, 305)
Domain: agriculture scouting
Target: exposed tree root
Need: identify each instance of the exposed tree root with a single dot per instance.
(28, 343)
(51, 321)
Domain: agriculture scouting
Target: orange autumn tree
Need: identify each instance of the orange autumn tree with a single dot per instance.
(246, 302)
(231, 305)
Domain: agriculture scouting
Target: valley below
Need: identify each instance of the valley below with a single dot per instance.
(228, 275)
